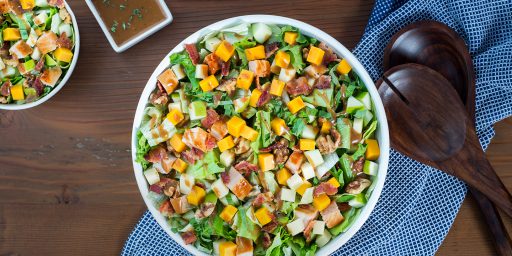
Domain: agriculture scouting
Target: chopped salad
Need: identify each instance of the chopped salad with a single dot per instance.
(37, 42)
(259, 140)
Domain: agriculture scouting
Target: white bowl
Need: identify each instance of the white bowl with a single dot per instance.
(123, 47)
(66, 77)
(382, 133)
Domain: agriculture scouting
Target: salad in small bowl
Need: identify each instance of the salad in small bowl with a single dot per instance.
(39, 46)
(260, 135)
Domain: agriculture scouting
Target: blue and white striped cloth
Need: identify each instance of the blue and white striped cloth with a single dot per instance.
(418, 204)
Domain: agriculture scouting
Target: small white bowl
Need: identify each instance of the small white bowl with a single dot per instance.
(382, 133)
(123, 47)
(59, 86)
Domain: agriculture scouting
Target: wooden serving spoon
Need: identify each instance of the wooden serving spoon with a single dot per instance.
(440, 48)
(428, 123)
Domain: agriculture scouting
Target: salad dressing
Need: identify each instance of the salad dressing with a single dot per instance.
(126, 19)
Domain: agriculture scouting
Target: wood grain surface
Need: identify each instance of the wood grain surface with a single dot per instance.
(66, 181)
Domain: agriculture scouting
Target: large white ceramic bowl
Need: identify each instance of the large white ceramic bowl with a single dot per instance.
(382, 133)
(66, 77)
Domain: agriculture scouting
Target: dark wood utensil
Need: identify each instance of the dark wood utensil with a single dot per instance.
(430, 124)
(440, 48)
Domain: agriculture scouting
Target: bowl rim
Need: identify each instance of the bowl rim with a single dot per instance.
(64, 79)
(382, 132)
(137, 38)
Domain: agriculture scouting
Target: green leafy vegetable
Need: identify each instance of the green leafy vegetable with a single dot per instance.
(245, 227)
(221, 229)
(142, 150)
(206, 167)
(190, 69)
(371, 129)
(240, 47)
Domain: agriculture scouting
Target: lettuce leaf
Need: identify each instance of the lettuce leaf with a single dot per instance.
(371, 129)
(206, 167)
(245, 227)
(142, 150)
(185, 61)
(361, 149)
(204, 233)
(295, 57)
(240, 50)
(223, 230)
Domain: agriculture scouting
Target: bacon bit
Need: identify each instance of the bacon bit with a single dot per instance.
(298, 86)
(205, 210)
(56, 3)
(210, 119)
(270, 49)
(166, 208)
(225, 66)
(188, 156)
(344, 207)
(216, 98)
(160, 86)
(266, 241)
(64, 42)
(198, 154)
(261, 68)
(325, 188)
(358, 165)
(156, 188)
(280, 150)
(219, 130)
(323, 82)
(210, 143)
(228, 86)
(192, 53)
(245, 168)
(189, 237)
(225, 177)
(329, 55)
(213, 63)
(264, 98)
(271, 226)
(308, 229)
(5, 89)
(156, 155)
(39, 65)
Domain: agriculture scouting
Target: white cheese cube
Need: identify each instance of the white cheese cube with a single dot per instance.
(287, 74)
(314, 157)
(288, 195)
(295, 227)
(307, 197)
(152, 176)
(219, 188)
(318, 227)
(186, 183)
(307, 171)
(295, 181)
(178, 71)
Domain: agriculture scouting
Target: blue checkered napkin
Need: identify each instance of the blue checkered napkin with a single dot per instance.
(418, 203)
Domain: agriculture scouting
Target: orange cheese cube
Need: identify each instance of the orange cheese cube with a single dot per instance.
(283, 175)
(249, 133)
(321, 202)
(333, 181)
(326, 127)
(63, 54)
(303, 187)
(17, 92)
(255, 96)
(245, 79)
(290, 37)
(11, 34)
(226, 143)
(343, 67)
(307, 144)
(179, 165)
(263, 216)
(227, 248)
(276, 88)
(315, 55)
(177, 144)
(266, 162)
(296, 104)
(209, 83)
(168, 80)
(282, 59)
(228, 213)
(372, 150)
(27, 4)
(278, 126)
(175, 116)
(235, 126)
(255, 53)
(196, 195)
(225, 51)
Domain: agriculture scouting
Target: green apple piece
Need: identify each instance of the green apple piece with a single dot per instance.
(368, 116)
(250, 112)
(261, 32)
(197, 110)
(365, 98)
(345, 129)
(322, 97)
(175, 105)
(211, 44)
(152, 176)
(210, 198)
(323, 239)
(358, 125)
(184, 101)
(309, 132)
(358, 201)
(241, 104)
(175, 97)
(370, 168)
(314, 157)
(353, 105)
(227, 158)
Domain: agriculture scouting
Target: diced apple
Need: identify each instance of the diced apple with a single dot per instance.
(353, 105)
(186, 183)
(287, 74)
(330, 161)
(227, 158)
(295, 181)
(219, 188)
(307, 197)
(314, 157)
(288, 195)
(370, 168)
(178, 71)
(211, 44)
(365, 98)
(152, 176)
(358, 125)
(201, 71)
(307, 171)
(261, 32)
(197, 110)
(318, 227)
(309, 132)
(323, 239)
(295, 227)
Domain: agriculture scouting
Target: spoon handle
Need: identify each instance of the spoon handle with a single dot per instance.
(502, 242)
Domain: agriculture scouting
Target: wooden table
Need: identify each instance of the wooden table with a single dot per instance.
(66, 181)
